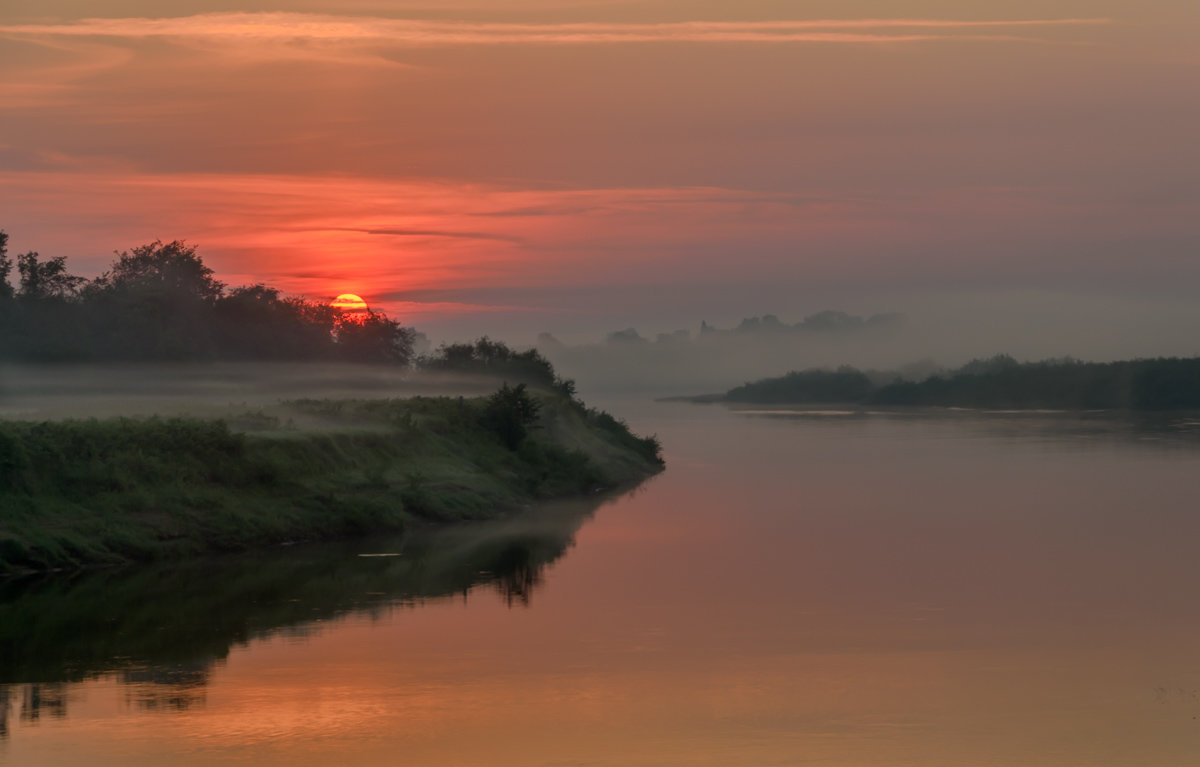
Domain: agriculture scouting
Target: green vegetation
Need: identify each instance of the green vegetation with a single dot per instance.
(83, 492)
(1000, 382)
(493, 358)
(509, 413)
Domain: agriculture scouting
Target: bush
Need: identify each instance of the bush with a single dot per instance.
(487, 357)
(509, 413)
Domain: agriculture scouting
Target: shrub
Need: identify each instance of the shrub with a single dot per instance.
(509, 413)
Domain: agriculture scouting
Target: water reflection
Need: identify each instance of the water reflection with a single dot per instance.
(1167, 429)
(166, 688)
(890, 591)
(48, 699)
(162, 629)
(33, 701)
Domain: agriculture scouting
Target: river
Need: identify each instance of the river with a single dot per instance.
(846, 589)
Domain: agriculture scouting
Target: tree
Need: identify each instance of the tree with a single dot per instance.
(171, 269)
(160, 302)
(626, 336)
(42, 280)
(509, 413)
(156, 302)
(6, 265)
(493, 358)
(372, 337)
(830, 320)
(255, 321)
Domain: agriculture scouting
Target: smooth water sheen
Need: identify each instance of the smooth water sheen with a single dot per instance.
(838, 589)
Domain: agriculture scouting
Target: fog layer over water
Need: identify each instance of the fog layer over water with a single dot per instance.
(891, 334)
(925, 589)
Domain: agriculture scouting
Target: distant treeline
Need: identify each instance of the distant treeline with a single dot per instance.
(821, 322)
(768, 326)
(999, 382)
(160, 302)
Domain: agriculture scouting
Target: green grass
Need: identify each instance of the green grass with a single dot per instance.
(84, 492)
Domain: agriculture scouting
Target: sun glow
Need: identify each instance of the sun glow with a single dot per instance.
(348, 302)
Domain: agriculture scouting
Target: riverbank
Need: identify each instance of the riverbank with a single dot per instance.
(75, 493)
(1162, 384)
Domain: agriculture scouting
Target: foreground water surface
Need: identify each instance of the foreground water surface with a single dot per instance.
(930, 588)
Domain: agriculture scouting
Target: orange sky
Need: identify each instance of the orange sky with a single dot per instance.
(541, 165)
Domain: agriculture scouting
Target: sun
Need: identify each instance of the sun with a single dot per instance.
(348, 302)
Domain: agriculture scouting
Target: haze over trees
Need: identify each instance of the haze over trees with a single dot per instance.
(711, 357)
(998, 382)
(160, 302)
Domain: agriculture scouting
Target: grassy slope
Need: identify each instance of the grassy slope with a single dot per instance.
(98, 491)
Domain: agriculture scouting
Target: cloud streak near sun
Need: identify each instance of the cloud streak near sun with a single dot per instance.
(287, 27)
(320, 236)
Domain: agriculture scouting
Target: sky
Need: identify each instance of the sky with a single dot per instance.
(476, 166)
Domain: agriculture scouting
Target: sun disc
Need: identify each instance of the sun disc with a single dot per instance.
(348, 302)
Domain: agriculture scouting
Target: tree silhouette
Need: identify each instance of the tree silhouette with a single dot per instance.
(161, 302)
(42, 280)
(494, 358)
(6, 266)
(172, 269)
(373, 337)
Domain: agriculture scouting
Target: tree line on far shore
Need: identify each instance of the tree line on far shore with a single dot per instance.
(999, 382)
(161, 302)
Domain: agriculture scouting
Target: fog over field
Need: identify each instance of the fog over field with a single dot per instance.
(36, 392)
(656, 360)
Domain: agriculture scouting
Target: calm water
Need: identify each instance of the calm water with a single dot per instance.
(944, 589)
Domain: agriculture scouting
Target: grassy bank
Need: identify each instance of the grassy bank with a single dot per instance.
(83, 492)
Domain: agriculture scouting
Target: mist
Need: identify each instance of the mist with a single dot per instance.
(217, 389)
(926, 332)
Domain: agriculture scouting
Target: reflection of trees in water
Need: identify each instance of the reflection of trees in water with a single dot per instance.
(161, 629)
(36, 700)
(171, 688)
(5, 709)
(147, 688)
(1147, 430)
(44, 699)
(518, 573)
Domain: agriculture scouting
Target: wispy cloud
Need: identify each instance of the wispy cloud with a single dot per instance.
(312, 235)
(287, 27)
(451, 233)
(436, 233)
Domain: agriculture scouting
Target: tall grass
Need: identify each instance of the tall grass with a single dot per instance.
(84, 492)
